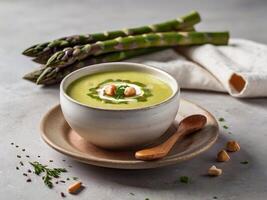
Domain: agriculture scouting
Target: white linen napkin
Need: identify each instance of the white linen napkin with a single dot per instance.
(239, 68)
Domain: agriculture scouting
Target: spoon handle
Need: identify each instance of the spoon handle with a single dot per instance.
(161, 150)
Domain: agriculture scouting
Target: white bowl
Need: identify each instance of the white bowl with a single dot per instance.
(125, 128)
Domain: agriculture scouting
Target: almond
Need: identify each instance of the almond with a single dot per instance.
(75, 187)
(232, 146)
(110, 90)
(223, 156)
(214, 171)
(129, 92)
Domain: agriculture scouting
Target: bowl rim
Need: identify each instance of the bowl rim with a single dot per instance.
(175, 93)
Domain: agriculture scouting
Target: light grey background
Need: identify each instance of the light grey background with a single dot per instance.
(22, 104)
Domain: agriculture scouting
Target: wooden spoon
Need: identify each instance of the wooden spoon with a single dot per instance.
(188, 125)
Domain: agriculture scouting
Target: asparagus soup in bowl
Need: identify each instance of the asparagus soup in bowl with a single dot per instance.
(119, 105)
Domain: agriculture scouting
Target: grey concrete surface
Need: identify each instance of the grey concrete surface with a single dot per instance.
(22, 104)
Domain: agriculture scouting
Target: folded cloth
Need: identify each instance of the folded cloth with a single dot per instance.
(239, 68)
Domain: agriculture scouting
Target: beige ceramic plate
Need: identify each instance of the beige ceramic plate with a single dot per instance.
(57, 134)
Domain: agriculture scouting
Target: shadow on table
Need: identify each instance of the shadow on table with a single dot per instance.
(168, 178)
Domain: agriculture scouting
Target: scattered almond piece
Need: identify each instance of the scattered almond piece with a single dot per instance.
(214, 171)
(75, 187)
(232, 146)
(223, 156)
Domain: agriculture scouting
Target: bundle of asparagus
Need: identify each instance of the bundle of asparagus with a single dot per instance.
(65, 55)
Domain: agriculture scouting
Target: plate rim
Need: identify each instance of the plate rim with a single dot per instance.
(124, 164)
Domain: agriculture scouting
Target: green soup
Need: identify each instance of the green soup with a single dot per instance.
(111, 90)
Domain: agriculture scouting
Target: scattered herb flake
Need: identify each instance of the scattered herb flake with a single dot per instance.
(63, 160)
(131, 193)
(62, 181)
(12, 143)
(146, 198)
(17, 146)
(225, 127)
(29, 171)
(229, 132)
(70, 166)
(23, 149)
(27, 156)
(184, 179)
(24, 174)
(18, 156)
(21, 163)
(29, 180)
(17, 168)
(215, 197)
(67, 179)
(75, 178)
(38, 156)
(62, 194)
(50, 160)
(221, 119)
(244, 162)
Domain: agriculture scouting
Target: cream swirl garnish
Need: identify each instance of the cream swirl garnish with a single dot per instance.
(120, 91)
(102, 95)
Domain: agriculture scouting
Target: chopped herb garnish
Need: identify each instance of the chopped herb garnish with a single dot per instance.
(24, 174)
(17, 146)
(75, 178)
(21, 163)
(12, 143)
(229, 132)
(62, 181)
(244, 162)
(23, 149)
(221, 119)
(29, 171)
(62, 194)
(119, 93)
(18, 156)
(131, 193)
(17, 168)
(215, 197)
(38, 156)
(184, 179)
(225, 127)
(49, 172)
(146, 198)
(29, 180)
(50, 160)
(63, 160)
(70, 166)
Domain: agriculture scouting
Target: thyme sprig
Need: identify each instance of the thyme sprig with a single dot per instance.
(50, 173)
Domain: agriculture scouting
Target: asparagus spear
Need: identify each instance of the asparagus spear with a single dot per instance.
(46, 49)
(49, 75)
(70, 55)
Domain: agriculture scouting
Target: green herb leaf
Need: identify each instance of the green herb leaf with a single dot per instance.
(244, 162)
(225, 127)
(221, 119)
(50, 173)
(184, 179)
(119, 93)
